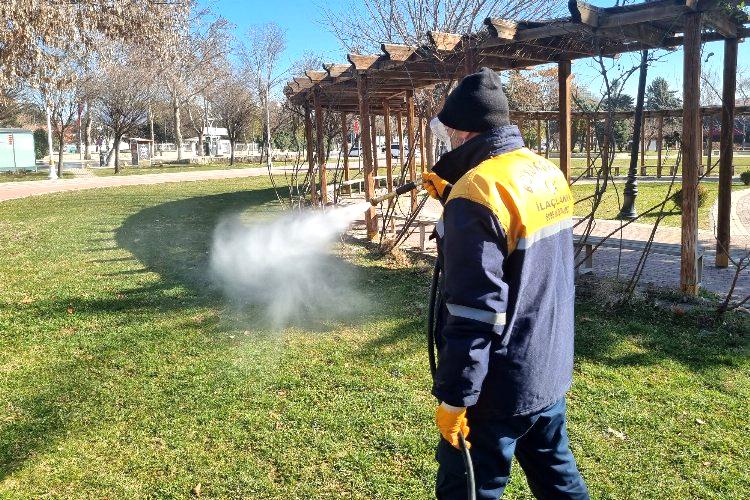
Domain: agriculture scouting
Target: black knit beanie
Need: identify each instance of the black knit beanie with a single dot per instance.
(477, 104)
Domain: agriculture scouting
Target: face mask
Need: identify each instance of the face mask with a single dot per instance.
(440, 133)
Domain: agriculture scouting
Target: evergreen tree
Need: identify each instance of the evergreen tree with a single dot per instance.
(659, 95)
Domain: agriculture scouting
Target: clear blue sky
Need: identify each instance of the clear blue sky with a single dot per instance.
(302, 22)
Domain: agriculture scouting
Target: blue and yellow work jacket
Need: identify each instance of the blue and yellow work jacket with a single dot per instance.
(505, 326)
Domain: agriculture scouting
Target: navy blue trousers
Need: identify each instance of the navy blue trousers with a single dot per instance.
(539, 442)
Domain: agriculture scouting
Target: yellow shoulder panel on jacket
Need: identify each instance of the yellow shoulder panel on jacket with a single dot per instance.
(527, 193)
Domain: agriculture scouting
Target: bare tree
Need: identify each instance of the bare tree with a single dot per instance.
(362, 25)
(235, 106)
(122, 103)
(36, 34)
(63, 108)
(267, 43)
(189, 68)
(197, 111)
(11, 105)
(60, 94)
(86, 130)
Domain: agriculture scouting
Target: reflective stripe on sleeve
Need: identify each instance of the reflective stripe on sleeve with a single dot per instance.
(489, 317)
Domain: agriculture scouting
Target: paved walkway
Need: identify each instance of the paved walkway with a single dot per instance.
(23, 189)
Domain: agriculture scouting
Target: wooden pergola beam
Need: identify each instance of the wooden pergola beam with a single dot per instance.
(397, 52)
(646, 12)
(722, 23)
(444, 42)
(620, 29)
(362, 62)
(336, 70)
(315, 76)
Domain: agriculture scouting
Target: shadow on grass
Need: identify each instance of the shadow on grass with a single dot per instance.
(630, 336)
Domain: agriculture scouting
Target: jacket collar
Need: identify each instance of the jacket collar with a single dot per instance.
(454, 164)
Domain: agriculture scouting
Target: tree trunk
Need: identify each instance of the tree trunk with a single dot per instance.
(60, 139)
(117, 153)
(177, 127)
(87, 132)
(269, 158)
(231, 152)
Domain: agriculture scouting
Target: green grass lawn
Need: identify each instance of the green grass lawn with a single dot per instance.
(649, 194)
(124, 375)
(622, 163)
(168, 167)
(29, 176)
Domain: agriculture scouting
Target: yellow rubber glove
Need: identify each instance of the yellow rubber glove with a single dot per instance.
(451, 420)
(434, 184)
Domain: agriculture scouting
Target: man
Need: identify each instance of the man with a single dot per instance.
(505, 327)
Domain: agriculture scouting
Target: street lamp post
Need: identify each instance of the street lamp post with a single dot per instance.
(631, 186)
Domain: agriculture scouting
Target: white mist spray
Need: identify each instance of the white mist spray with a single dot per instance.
(284, 266)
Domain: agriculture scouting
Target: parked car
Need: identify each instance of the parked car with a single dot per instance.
(354, 151)
(396, 150)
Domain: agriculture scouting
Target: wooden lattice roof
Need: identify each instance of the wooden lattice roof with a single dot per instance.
(589, 31)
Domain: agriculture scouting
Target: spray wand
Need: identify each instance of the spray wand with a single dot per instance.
(403, 189)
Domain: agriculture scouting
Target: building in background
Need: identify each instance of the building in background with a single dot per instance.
(16, 149)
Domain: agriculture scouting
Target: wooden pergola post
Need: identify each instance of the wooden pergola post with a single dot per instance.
(659, 143)
(345, 149)
(564, 119)
(709, 163)
(319, 141)
(400, 132)
(700, 145)
(374, 137)
(539, 136)
(589, 168)
(605, 148)
(470, 61)
(310, 158)
(422, 152)
(643, 146)
(371, 217)
(388, 139)
(691, 150)
(429, 146)
(411, 144)
(726, 153)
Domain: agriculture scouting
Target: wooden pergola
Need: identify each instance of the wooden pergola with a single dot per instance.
(526, 119)
(384, 84)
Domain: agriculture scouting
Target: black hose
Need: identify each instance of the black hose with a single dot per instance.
(433, 310)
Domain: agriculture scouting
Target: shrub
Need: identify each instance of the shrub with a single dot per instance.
(703, 194)
(41, 147)
(745, 177)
